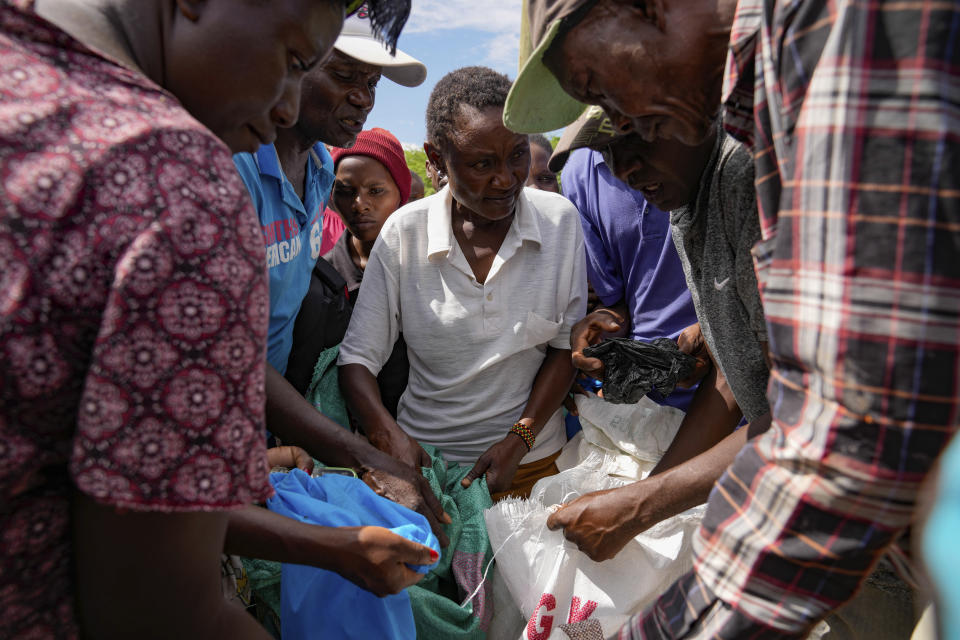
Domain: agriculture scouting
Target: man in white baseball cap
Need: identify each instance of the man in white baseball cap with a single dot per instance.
(338, 96)
(290, 182)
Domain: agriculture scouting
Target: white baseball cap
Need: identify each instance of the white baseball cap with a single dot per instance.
(358, 41)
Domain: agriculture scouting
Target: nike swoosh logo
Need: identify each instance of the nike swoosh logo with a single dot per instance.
(720, 285)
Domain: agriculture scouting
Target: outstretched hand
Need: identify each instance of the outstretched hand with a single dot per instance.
(603, 522)
(499, 463)
(376, 559)
(406, 486)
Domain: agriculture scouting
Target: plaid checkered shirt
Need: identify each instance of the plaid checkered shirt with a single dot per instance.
(852, 109)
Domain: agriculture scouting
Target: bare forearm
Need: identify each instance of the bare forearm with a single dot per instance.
(712, 415)
(601, 523)
(659, 497)
(295, 421)
(370, 557)
(688, 484)
(360, 390)
(255, 532)
(550, 387)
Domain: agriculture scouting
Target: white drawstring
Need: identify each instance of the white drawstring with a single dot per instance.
(483, 578)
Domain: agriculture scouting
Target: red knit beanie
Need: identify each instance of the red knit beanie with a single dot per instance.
(382, 146)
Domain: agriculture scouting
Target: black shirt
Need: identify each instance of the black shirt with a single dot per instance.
(323, 319)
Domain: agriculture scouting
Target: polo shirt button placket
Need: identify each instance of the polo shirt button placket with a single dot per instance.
(481, 288)
(491, 317)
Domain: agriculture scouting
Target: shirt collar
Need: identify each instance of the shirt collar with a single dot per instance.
(597, 158)
(440, 239)
(739, 79)
(322, 158)
(320, 176)
(527, 221)
(268, 163)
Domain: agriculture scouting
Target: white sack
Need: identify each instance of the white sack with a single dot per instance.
(554, 584)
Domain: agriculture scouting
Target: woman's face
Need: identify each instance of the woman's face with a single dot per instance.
(365, 195)
(486, 164)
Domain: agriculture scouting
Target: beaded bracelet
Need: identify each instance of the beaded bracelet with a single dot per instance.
(525, 433)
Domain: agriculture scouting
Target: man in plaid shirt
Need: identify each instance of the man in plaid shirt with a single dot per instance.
(853, 113)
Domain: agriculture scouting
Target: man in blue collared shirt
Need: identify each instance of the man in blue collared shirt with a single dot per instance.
(290, 182)
(632, 263)
(290, 222)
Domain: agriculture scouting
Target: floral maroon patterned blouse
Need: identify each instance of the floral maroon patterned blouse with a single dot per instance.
(133, 312)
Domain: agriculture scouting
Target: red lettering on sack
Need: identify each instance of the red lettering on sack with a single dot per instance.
(579, 615)
(548, 602)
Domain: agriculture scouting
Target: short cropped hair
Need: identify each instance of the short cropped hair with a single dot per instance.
(477, 87)
(541, 141)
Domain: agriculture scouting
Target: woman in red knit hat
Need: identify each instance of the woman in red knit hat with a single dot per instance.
(373, 181)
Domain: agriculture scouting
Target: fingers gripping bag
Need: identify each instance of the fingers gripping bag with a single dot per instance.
(561, 592)
(633, 368)
(316, 603)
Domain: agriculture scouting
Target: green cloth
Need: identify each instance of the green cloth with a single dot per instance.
(436, 599)
(264, 579)
(324, 390)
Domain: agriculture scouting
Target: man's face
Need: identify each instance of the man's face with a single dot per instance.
(667, 172)
(237, 66)
(337, 97)
(654, 70)
(540, 175)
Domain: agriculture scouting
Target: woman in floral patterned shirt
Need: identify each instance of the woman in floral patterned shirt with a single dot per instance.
(133, 310)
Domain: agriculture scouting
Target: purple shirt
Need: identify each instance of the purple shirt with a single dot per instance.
(630, 254)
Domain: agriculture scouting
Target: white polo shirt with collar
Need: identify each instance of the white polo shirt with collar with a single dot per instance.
(474, 348)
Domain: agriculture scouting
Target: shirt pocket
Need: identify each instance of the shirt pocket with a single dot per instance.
(537, 330)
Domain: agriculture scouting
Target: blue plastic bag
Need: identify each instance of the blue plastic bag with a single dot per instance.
(316, 603)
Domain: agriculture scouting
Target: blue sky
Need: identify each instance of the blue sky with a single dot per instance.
(446, 35)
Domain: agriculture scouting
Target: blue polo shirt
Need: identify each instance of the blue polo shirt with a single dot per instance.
(291, 234)
(630, 254)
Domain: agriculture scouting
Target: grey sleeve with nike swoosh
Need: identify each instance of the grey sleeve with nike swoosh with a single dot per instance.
(713, 236)
(742, 226)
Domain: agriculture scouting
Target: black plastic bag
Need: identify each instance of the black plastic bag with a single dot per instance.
(632, 368)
